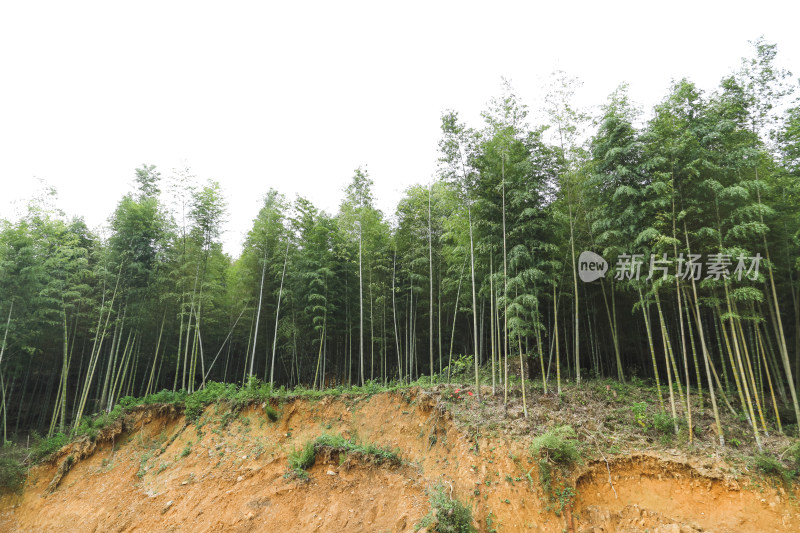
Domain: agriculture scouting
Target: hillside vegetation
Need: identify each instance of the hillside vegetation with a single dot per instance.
(406, 459)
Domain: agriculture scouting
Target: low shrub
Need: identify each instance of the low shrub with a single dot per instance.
(91, 426)
(459, 369)
(771, 467)
(303, 458)
(163, 396)
(271, 413)
(558, 452)
(793, 454)
(558, 445)
(254, 391)
(447, 515)
(664, 424)
(212, 392)
(337, 443)
(43, 448)
(12, 468)
(186, 450)
(639, 410)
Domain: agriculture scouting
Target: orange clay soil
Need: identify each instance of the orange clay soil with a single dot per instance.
(229, 472)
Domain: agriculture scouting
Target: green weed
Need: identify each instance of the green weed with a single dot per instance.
(447, 515)
(12, 468)
(557, 445)
(271, 413)
(43, 448)
(558, 452)
(639, 410)
(304, 458)
(772, 467)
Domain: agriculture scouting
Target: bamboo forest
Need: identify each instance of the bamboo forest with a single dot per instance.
(689, 215)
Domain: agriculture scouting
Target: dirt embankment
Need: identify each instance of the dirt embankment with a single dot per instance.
(229, 472)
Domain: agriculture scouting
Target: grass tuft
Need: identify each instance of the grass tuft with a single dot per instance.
(772, 467)
(271, 413)
(303, 458)
(447, 515)
(556, 448)
(557, 445)
(44, 448)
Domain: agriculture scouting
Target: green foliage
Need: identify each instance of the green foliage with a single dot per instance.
(44, 448)
(557, 493)
(332, 441)
(253, 392)
(375, 453)
(271, 413)
(661, 423)
(559, 445)
(556, 448)
(303, 458)
(490, 521)
(546, 477)
(772, 467)
(664, 424)
(793, 454)
(12, 468)
(461, 368)
(91, 426)
(212, 392)
(565, 496)
(161, 397)
(447, 515)
(639, 410)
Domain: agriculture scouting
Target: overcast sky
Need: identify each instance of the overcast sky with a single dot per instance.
(296, 95)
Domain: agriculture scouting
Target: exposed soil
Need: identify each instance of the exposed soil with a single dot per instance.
(648, 492)
(229, 472)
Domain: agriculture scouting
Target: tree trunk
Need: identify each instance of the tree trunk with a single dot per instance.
(258, 313)
(277, 316)
(474, 302)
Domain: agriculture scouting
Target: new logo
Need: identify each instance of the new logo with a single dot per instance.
(591, 266)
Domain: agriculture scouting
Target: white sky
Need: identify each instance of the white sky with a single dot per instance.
(296, 95)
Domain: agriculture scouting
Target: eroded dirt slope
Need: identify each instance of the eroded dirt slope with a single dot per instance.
(229, 472)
